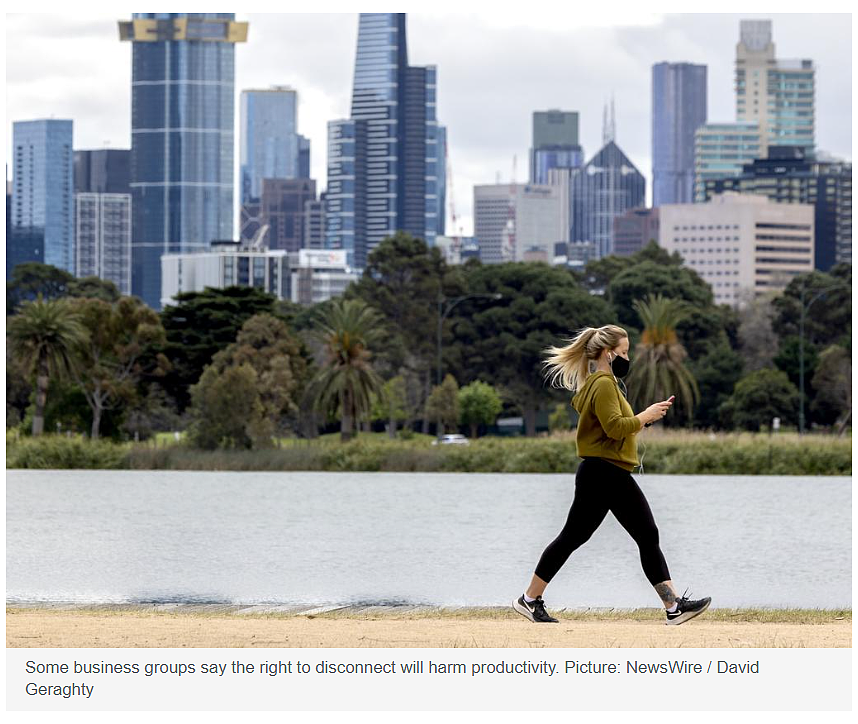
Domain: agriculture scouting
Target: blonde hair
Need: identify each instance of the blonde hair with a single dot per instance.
(569, 366)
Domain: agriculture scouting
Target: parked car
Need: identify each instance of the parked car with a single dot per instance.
(452, 440)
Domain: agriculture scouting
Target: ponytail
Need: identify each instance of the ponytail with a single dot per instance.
(569, 366)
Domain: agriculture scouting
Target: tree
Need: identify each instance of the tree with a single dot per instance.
(403, 280)
(264, 343)
(391, 404)
(658, 370)
(833, 384)
(716, 373)
(443, 404)
(758, 398)
(757, 339)
(479, 404)
(32, 280)
(346, 380)
(227, 411)
(116, 337)
(94, 288)
(504, 340)
(559, 420)
(46, 335)
(201, 324)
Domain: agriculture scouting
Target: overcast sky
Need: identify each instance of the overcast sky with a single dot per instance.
(494, 70)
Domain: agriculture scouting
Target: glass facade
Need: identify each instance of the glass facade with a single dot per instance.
(606, 187)
(102, 171)
(182, 116)
(103, 238)
(270, 145)
(43, 193)
(383, 163)
(555, 144)
(721, 149)
(678, 110)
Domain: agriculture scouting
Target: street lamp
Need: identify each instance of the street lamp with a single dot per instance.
(804, 309)
(443, 311)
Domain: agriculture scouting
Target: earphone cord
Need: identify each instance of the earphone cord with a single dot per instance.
(643, 444)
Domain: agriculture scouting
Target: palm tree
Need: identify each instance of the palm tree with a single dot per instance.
(346, 329)
(659, 370)
(46, 336)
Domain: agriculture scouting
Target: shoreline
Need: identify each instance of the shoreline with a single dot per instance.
(271, 626)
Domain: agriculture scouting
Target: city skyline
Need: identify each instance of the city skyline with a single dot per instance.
(486, 106)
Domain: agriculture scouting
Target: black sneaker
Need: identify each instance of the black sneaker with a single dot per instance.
(686, 609)
(533, 610)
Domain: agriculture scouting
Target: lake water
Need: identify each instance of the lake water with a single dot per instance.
(412, 538)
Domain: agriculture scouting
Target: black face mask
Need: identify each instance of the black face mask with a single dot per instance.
(620, 366)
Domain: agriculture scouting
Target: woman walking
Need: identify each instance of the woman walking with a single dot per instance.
(607, 426)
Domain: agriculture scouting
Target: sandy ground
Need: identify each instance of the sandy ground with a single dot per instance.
(86, 629)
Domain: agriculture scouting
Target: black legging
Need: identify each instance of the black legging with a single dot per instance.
(601, 486)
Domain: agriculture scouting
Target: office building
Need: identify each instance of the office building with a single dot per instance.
(608, 185)
(776, 94)
(510, 219)
(635, 229)
(383, 168)
(103, 238)
(574, 255)
(102, 225)
(42, 194)
(308, 276)
(739, 242)
(722, 149)
(270, 146)
(284, 211)
(314, 223)
(441, 181)
(555, 144)
(102, 171)
(789, 177)
(182, 119)
(678, 110)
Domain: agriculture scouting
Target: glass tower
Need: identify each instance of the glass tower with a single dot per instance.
(182, 116)
(678, 110)
(555, 144)
(777, 94)
(383, 162)
(270, 144)
(606, 187)
(43, 193)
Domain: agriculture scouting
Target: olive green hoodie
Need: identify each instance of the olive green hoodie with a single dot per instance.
(607, 425)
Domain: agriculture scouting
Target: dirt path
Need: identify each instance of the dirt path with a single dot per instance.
(65, 629)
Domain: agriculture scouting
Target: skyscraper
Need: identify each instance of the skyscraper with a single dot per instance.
(270, 146)
(102, 226)
(383, 168)
(777, 94)
(42, 194)
(678, 110)
(182, 117)
(555, 144)
(605, 187)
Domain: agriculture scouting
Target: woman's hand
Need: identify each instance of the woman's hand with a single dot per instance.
(655, 412)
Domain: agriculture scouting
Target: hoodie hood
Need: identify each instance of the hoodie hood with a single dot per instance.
(583, 397)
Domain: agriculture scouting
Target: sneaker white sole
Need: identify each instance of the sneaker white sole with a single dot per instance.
(687, 616)
(523, 610)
